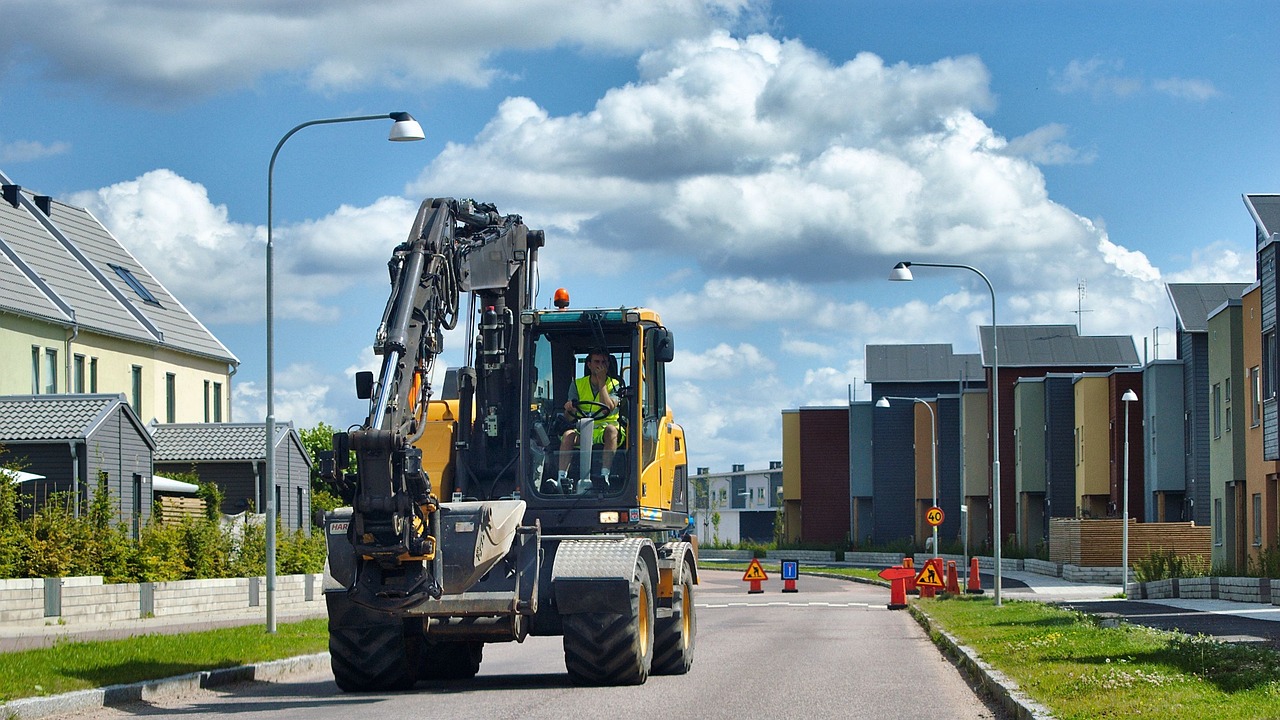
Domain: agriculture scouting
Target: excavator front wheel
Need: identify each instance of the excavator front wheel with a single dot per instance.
(371, 651)
(673, 637)
(611, 648)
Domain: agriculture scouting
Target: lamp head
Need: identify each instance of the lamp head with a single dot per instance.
(901, 272)
(405, 128)
(1129, 396)
(883, 402)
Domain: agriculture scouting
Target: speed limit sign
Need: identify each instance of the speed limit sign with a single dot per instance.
(934, 516)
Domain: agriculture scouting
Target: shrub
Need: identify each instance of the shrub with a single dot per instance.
(1166, 564)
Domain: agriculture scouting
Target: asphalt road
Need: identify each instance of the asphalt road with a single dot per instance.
(1236, 627)
(832, 650)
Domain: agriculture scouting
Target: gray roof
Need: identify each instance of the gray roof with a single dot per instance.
(48, 418)
(217, 442)
(1265, 210)
(920, 363)
(1192, 302)
(59, 268)
(1057, 346)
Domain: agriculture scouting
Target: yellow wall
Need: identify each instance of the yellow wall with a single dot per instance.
(116, 358)
(1093, 452)
(924, 451)
(1256, 470)
(977, 455)
(791, 455)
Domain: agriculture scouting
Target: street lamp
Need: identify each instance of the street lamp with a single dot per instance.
(883, 402)
(1128, 397)
(405, 128)
(902, 272)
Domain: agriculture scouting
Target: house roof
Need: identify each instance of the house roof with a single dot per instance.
(1056, 346)
(1265, 210)
(64, 267)
(920, 363)
(218, 442)
(49, 418)
(1193, 302)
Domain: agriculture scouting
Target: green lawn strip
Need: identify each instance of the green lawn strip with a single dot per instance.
(1078, 669)
(69, 665)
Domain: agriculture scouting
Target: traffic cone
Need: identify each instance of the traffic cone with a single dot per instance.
(974, 585)
(953, 580)
(898, 594)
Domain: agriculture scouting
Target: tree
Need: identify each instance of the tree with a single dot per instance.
(317, 440)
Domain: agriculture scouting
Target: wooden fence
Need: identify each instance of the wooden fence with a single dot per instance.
(1097, 543)
(172, 509)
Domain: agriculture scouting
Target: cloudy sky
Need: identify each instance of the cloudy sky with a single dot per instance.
(750, 169)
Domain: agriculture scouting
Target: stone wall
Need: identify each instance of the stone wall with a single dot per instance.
(88, 600)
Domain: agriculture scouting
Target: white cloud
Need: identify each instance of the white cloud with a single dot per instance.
(721, 361)
(184, 239)
(1045, 146)
(1106, 78)
(20, 151)
(182, 50)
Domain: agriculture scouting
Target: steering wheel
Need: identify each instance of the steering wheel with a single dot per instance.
(592, 409)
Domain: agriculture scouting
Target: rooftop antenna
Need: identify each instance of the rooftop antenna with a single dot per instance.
(1080, 311)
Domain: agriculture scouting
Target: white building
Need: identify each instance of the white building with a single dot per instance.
(737, 505)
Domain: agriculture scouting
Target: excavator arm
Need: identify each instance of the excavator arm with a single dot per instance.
(455, 247)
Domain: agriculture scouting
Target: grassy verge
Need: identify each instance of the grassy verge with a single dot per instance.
(1078, 669)
(70, 666)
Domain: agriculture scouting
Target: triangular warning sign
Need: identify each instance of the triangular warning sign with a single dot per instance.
(929, 576)
(754, 572)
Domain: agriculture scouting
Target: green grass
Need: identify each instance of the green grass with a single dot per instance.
(1078, 669)
(70, 666)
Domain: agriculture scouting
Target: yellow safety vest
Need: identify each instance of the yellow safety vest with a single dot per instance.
(585, 393)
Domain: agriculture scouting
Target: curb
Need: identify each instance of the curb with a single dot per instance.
(999, 685)
(113, 695)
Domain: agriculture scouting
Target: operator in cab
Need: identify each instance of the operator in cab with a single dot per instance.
(599, 392)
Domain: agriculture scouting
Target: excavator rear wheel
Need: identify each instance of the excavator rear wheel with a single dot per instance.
(673, 636)
(610, 648)
(370, 651)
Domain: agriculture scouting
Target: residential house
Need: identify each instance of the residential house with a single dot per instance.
(76, 442)
(80, 314)
(738, 505)
(233, 456)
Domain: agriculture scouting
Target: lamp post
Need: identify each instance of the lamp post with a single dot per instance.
(1128, 397)
(405, 128)
(883, 402)
(902, 272)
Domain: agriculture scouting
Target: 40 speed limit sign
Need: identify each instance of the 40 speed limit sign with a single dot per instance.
(934, 516)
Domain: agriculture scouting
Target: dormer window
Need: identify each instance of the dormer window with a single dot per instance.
(132, 281)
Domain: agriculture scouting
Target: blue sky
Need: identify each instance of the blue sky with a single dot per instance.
(749, 169)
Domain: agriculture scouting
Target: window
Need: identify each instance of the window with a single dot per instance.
(137, 390)
(1257, 519)
(77, 368)
(35, 370)
(1270, 362)
(170, 399)
(1255, 399)
(1226, 404)
(1217, 522)
(299, 508)
(93, 375)
(51, 370)
(206, 401)
(1217, 411)
(134, 284)
(217, 402)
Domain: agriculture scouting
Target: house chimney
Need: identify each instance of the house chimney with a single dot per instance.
(11, 194)
(739, 468)
(703, 471)
(775, 464)
(45, 204)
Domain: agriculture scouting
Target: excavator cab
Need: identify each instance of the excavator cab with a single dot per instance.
(646, 483)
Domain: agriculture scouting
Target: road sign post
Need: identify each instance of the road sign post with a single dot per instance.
(755, 575)
(897, 577)
(790, 573)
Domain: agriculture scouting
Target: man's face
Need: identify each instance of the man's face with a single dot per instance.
(597, 364)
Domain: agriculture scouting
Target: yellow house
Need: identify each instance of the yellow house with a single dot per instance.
(80, 314)
(1093, 450)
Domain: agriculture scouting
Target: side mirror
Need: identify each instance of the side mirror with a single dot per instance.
(364, 385)
(665, 346)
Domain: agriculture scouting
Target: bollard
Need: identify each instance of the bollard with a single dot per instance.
(897, 577)
(974, 584)
(953, 579)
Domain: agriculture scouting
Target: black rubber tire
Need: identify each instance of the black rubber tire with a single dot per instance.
(609, 648)
(369, 651)
(673, 637)
(451, 660)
